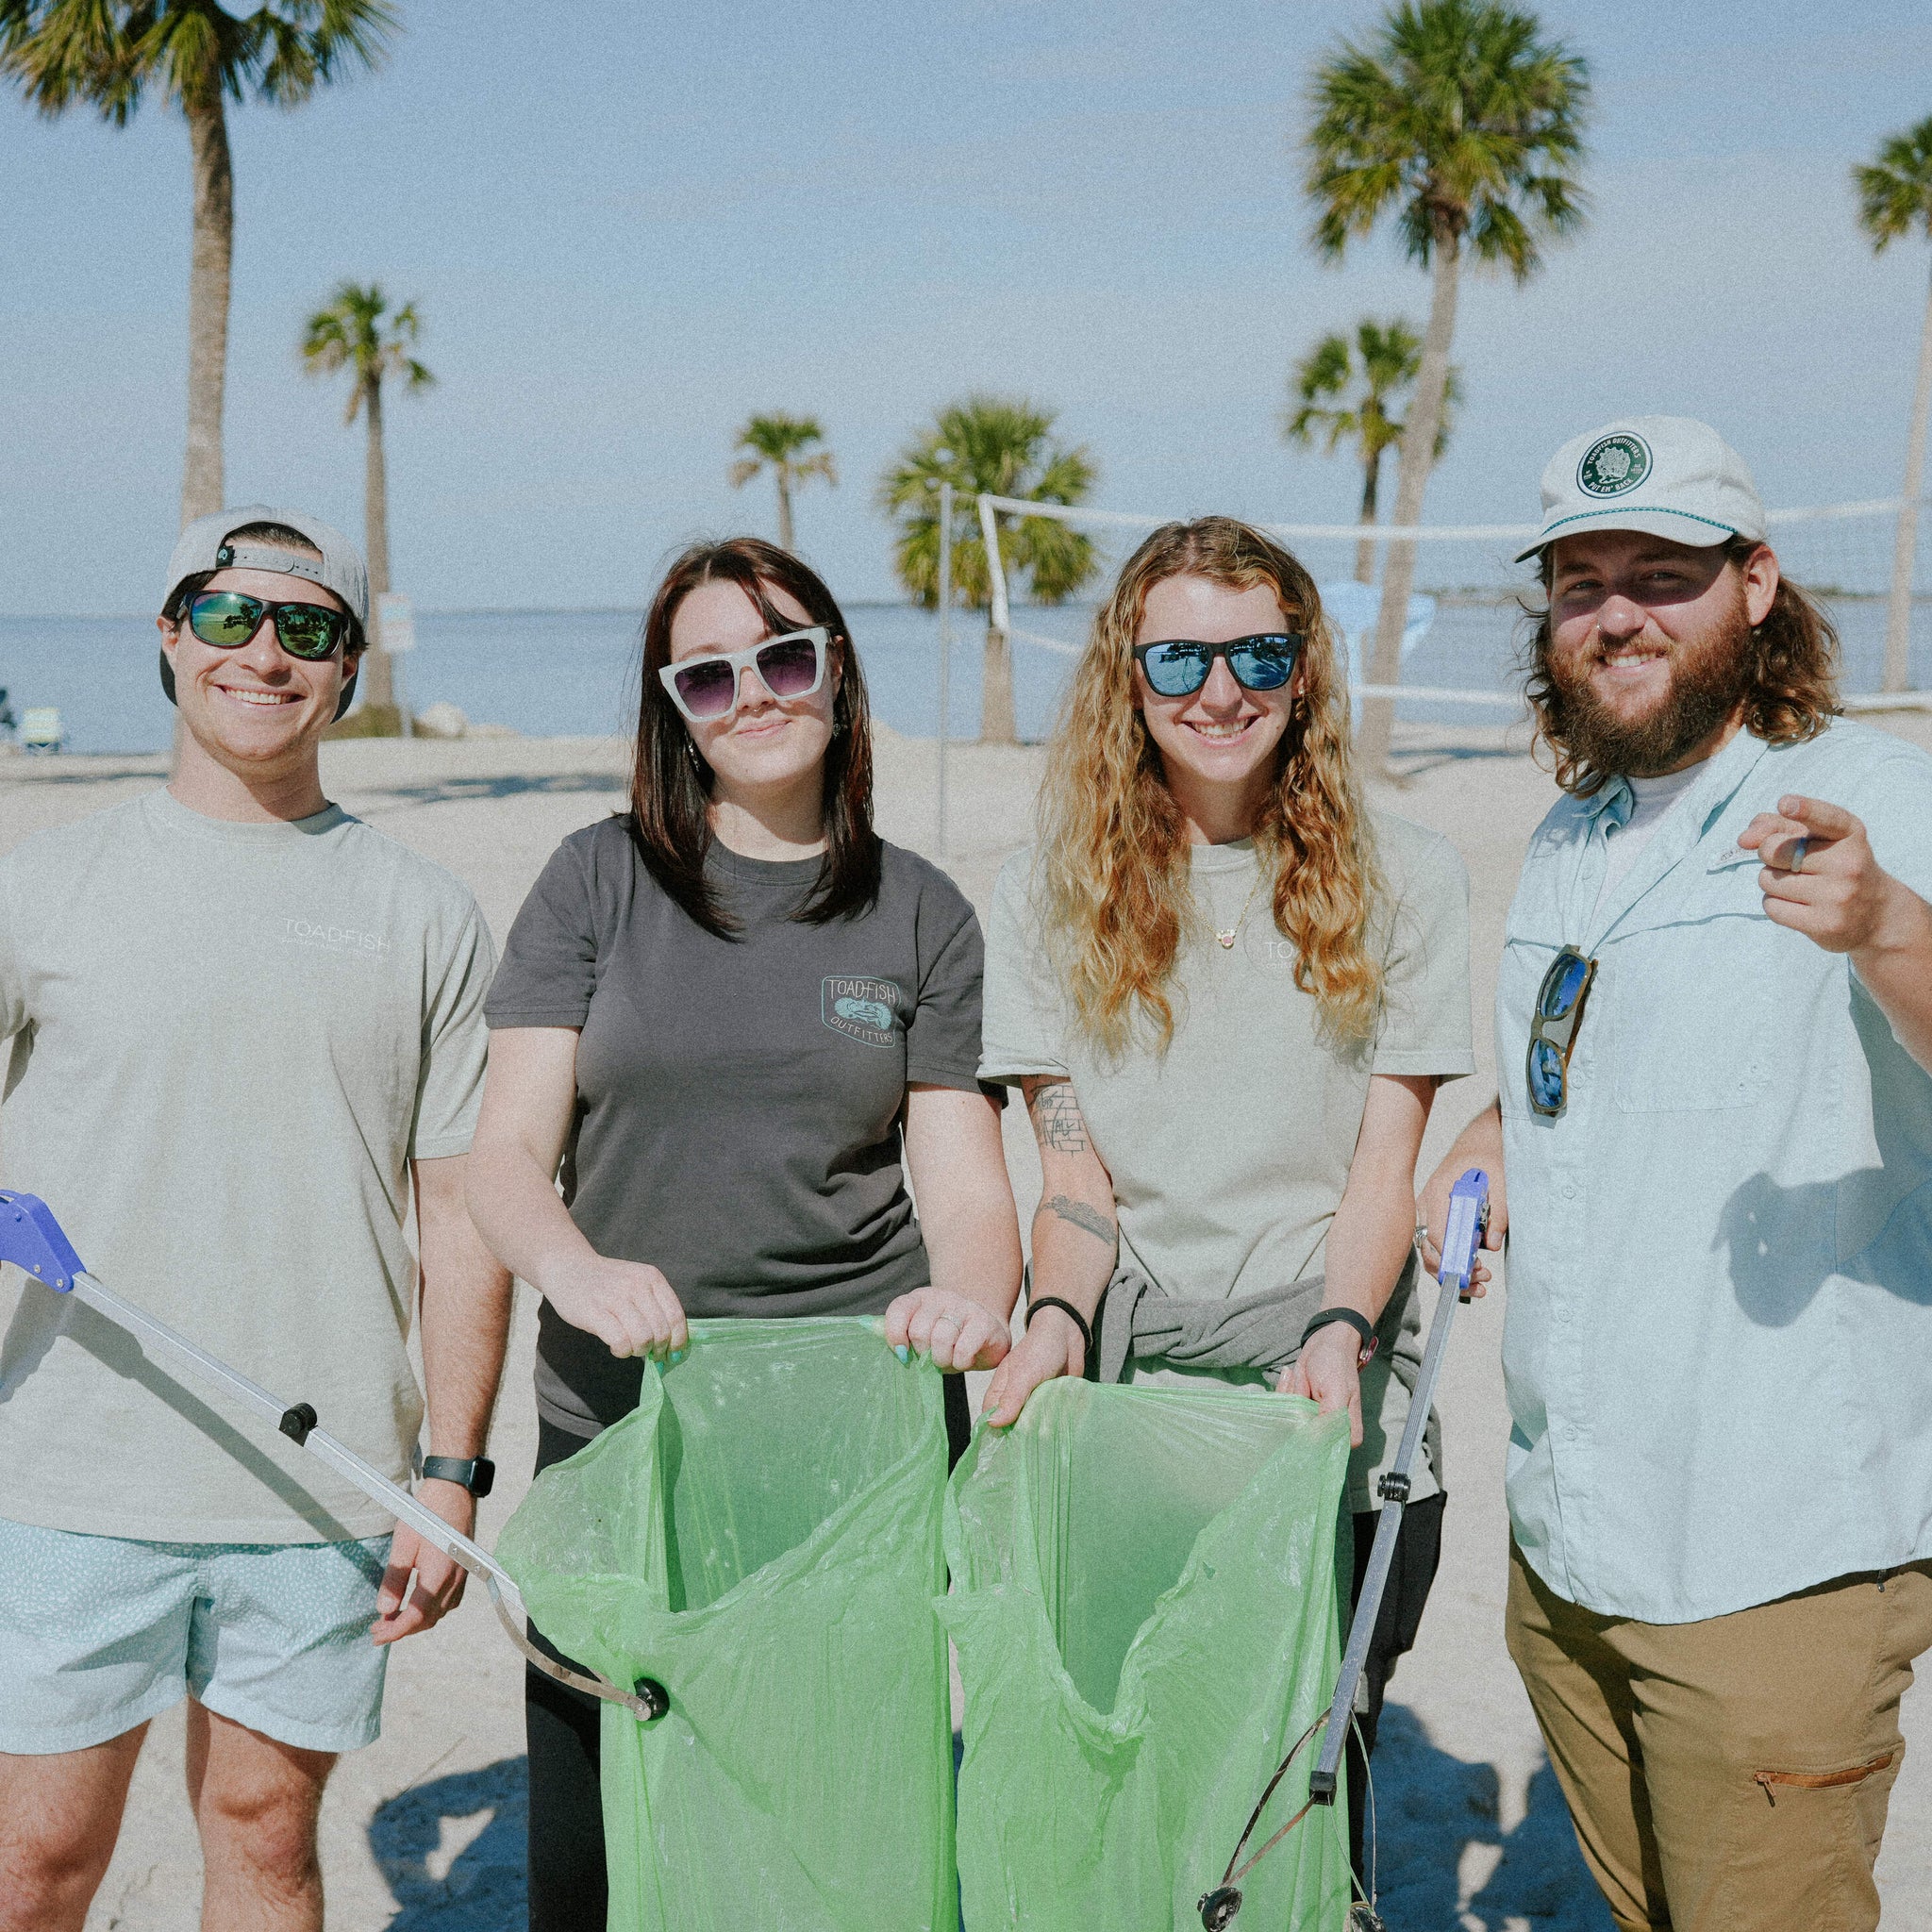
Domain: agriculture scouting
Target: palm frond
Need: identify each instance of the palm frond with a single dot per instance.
(1461, 122)
(1002, 445)
(1894, 189)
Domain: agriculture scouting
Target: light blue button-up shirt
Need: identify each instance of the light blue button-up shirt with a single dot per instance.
(1719, 1341)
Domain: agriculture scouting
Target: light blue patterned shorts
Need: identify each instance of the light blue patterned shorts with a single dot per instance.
(101, 1633)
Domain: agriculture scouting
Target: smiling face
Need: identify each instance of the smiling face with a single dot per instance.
(1218, 747)
(1648, 646)
(767, 745)
(253, 707)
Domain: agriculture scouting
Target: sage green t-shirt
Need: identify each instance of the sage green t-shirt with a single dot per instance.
(226, 1043)
(1229, 1152)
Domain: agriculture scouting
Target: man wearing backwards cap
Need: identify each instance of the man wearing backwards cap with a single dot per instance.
(241, 1024)
(1713, 1026)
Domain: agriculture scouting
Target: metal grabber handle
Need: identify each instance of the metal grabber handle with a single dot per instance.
(35, 1243)
(1469, 1220)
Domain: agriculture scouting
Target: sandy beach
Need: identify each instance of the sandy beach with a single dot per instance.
(425, 1830)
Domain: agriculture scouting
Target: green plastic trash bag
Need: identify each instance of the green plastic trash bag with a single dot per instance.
(1145, 1599)
(762, 1537)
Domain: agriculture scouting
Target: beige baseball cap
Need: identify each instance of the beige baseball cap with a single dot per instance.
(1669, 477)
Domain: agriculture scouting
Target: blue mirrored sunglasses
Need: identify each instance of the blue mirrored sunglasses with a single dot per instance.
(1553, 1030)
(1178, 667)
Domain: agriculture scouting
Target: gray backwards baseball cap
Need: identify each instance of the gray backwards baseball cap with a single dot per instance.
(1668, 477)
(204, 547)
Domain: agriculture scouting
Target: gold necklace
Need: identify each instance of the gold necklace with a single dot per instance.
(1228, 934)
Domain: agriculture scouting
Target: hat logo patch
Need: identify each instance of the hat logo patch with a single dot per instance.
(1613, 464)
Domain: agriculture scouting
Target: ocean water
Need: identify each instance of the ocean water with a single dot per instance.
(571, 673)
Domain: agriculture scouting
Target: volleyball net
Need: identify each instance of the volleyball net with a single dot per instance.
(1462, 643)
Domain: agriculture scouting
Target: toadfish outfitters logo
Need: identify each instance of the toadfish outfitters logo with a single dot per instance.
(1613, 464)
(863, 1009)
(332, 937)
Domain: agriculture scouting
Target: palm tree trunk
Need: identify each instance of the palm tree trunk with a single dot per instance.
(208, 307)
(1898, 617)
(1411, 481)
(784, 476)
(380, 688)
(1365, 550)
(998, 723)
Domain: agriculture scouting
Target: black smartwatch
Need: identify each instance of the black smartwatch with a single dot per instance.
(476, 1474)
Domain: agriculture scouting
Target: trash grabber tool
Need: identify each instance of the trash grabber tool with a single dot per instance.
(1469, 1220)
(35, 1243)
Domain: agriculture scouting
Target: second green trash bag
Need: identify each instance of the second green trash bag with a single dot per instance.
(1146, 1603)
(762, 1537)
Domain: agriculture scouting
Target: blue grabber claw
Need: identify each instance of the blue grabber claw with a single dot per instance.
(35, 1243)
(1469, 1221)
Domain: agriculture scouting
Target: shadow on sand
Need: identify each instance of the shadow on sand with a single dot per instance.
(1433, 1806)
(375, 800)
(481, 1889)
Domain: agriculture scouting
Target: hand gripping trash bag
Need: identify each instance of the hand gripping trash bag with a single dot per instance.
(762, 1537)
(1146, 1601)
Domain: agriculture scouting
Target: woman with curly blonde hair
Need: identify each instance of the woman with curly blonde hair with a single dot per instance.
(1229, 988)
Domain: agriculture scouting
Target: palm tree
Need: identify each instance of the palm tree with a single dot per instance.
(1895, 196)
(359, 331)
(199, 55)
(775, 443)
(1002, 446)
(1391, 353)
(1466, 125)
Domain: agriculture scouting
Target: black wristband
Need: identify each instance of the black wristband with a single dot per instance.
(1034, 1304)
(1361, 1323)
(476, 1474)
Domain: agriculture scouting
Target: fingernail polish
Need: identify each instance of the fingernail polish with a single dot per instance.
(677, 1355)
(904, 1353)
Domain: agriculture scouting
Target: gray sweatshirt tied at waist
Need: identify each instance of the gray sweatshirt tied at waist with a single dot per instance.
(1137, 1321)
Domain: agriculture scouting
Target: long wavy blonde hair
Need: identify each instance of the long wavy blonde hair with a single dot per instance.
(1113, 864)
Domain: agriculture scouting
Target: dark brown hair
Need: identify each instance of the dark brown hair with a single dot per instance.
(671, 785)
(1791, 692)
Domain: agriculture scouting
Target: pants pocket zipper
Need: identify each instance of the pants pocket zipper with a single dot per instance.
(1816, 1780)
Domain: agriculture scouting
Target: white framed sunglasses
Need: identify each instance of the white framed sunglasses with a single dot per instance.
(706, 689)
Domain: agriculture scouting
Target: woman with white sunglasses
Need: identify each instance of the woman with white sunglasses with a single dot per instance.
(738, 1021)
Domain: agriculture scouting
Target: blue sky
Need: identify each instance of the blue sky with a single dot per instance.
(628, 233)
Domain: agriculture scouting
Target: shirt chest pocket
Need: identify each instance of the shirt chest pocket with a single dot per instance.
(1701, 1005)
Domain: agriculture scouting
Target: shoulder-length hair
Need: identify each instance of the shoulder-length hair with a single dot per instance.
(1114, 865)
(1791, 692)
(670, 783)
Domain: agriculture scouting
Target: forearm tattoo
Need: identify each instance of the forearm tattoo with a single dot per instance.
(1057, 1117)
(1090, 1219)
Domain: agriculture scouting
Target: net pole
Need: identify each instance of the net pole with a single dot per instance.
(1898, 614)
(945, 647)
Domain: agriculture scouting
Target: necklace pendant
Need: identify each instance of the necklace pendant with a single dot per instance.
(1226, 938)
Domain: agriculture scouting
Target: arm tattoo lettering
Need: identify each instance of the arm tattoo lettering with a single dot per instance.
(1056, 1118)
(1094, 1223)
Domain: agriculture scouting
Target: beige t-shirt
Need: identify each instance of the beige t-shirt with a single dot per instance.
(1229, 1153)
(227, 1043)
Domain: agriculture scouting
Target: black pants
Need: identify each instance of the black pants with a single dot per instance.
(1418, 1550)
(568, 1889)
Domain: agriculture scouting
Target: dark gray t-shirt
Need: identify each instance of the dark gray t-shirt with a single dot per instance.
(739, 1101)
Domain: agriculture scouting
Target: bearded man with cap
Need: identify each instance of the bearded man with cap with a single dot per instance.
(244, 1028)
(1713, 1158)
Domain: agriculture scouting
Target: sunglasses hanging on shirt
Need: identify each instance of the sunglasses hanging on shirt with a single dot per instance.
(1553, 1030)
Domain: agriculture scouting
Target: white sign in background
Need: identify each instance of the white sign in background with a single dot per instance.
(395, 622)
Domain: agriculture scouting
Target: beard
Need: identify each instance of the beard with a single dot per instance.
(1708, 681)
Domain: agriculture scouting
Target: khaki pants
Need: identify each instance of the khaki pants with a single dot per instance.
(1732, 1774)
